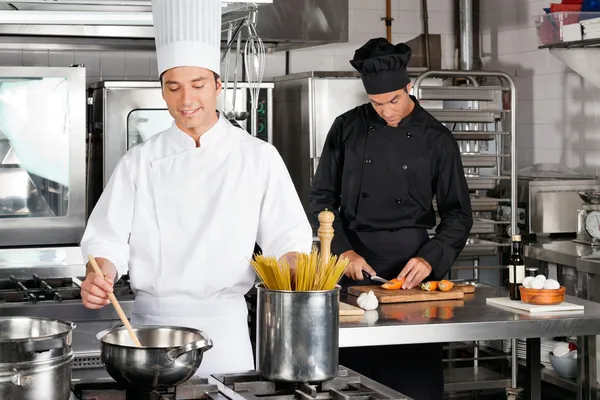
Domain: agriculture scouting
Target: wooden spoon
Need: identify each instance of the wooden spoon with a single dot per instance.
(325, 234)
(117, 306)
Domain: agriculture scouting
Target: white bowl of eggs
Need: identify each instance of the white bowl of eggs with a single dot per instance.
(539, 290)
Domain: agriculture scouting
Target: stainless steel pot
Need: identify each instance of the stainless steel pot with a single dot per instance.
(169, 355)
(297, 334)
(35, 358)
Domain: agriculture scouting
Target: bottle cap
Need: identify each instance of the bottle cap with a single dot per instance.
(516, 238)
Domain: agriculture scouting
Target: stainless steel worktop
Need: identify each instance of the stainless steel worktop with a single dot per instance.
(468, 319)
(563, 252)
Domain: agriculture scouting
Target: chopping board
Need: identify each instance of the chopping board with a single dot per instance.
(406, 295)
(349, 310)
(505, 302)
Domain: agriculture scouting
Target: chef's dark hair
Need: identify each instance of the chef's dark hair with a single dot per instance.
(217, 77)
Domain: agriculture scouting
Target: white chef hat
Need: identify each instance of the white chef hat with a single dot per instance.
(187, 33)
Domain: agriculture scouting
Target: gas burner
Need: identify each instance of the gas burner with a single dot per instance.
(348, 385)
(36, 289)
(194, 389)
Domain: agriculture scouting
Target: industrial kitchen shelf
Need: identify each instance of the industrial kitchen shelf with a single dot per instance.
(454, 93)
(478, 135)
(473, 378)
(576, 44)
(467, 116)
(480, 204)
(480, 161)
(484, 182)
(479, 114)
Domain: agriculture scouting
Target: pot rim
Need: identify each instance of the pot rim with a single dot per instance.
(261, 287)
(102, 334)
(70, 326)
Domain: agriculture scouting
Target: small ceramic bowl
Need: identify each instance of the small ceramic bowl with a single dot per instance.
(543, 296)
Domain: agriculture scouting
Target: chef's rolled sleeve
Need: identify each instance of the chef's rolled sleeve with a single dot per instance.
(283, 225)
(109, 226)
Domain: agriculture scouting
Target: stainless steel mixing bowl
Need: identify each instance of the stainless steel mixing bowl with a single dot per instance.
(169, 355)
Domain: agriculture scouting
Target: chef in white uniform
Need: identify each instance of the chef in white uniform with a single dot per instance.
(183, 210)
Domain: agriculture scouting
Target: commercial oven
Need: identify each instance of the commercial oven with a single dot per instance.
(125, 113)
(42, 156)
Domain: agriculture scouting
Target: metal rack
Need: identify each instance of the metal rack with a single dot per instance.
(485, 128)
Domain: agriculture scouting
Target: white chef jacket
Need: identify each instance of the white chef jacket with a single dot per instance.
(184, 220)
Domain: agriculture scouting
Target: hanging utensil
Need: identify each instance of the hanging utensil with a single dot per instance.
(225, 77)
(255, 63)
(238, 115)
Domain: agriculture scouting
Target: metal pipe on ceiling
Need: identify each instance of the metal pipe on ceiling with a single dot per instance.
(388, 19)
(426, 33)
(466, 34)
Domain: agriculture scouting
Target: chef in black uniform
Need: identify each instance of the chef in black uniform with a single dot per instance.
(381, 166)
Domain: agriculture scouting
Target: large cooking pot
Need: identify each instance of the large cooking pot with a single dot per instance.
(35, 358)
(297, 334)
(169, 355)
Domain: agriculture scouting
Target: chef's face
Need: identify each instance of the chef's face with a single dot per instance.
(392, 106)
(191, 96)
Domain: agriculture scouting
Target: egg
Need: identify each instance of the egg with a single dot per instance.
(542, 277)
(537, 284)
(551, 284)
(560, 351)
(527, 281)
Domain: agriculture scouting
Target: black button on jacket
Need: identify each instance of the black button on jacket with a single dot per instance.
(378, 178)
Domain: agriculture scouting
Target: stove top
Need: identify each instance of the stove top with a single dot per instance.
(348, 385)
(36, 289)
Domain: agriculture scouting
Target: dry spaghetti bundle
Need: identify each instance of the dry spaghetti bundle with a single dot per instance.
(314, 271)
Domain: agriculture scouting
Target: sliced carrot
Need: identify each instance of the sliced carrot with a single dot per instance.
(445, 285)
(394, 284)
(446, 312)
(430, 286)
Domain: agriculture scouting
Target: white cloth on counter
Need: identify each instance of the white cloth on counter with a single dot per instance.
(187, 33)
(185, 221)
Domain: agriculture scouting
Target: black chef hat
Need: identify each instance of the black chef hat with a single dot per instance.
(382, 65)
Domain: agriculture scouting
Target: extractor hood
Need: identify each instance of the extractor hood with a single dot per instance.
(122, 24)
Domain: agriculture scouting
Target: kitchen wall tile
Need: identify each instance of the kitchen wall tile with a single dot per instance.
(11, 58)
(112, 64)
(36, 59)
(414, 5)
(137, 63)
(274, 66)
(409, 22)
(61, 58)
(371, 5)
(441, 22)
(153, 65)
(91, 60)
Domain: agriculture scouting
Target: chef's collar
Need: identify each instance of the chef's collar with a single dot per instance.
(375, 118)
(208, 138)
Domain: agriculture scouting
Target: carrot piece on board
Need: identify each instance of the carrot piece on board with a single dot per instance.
(430, 286)
(445, 285)
(394, 284)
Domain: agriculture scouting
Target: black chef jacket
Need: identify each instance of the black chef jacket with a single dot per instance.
(380, 178)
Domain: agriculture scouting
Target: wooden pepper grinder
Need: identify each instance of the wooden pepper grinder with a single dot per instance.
(325, 234)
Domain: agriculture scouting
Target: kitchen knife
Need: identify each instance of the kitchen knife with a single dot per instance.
(374, 278)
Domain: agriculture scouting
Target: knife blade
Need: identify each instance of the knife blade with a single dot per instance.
(374, 278)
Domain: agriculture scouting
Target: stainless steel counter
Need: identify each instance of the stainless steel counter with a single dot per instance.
(471, 319)
(563, 252)
(465, 320)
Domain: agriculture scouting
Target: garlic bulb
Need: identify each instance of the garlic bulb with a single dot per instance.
(368, 301)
